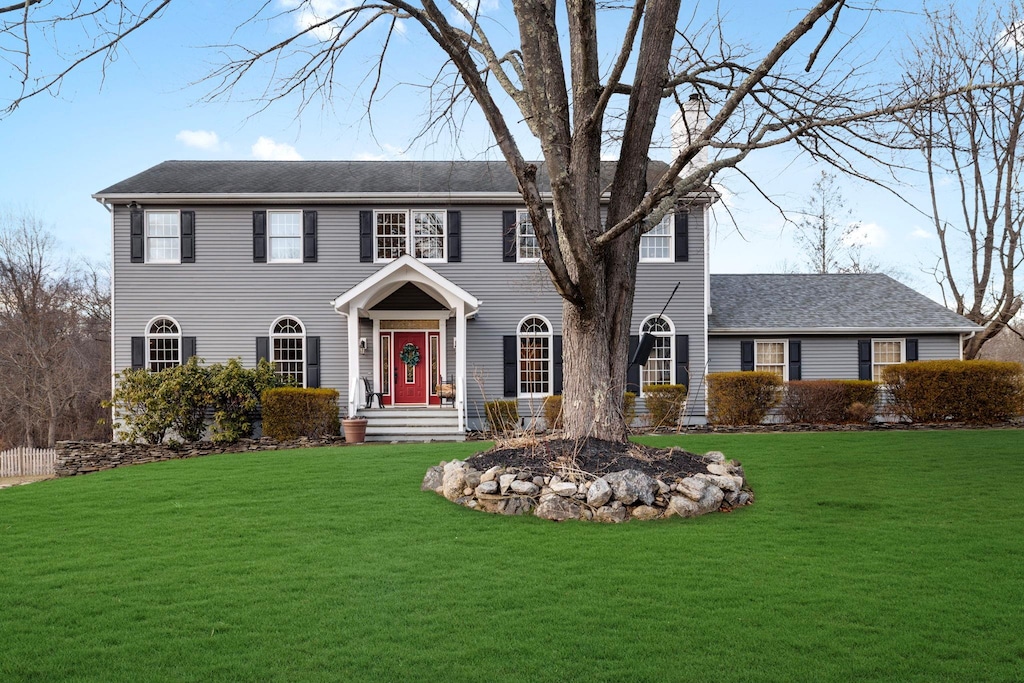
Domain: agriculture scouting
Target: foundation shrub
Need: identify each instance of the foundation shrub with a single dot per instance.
(828, 401)
(664, 404)
(292, 412)
(235, 393)
(974, 391)
(628, 407)
(742, 398)
(502, 415)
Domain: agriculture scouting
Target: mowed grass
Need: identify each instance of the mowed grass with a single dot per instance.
(867, 556)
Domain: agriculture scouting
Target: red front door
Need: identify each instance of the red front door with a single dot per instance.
(409, 380)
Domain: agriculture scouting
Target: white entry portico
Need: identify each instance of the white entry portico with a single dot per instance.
(453, 303)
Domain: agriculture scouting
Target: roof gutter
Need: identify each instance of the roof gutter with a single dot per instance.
(762, 331)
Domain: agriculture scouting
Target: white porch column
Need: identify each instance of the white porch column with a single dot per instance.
(460, 362)
(353, 361)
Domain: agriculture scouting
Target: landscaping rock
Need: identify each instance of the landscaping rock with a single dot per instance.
(714, 456)
(718, 468)
(630, 486)
(563, 488)
(473, 478)
(505, 481)
(514, 506)
(557, 509)
(434, 479)
(525, 488)
(599, 493)
(691, 487)
(453, 482)
(487, 488)
(683, 506)
(645, 512)
(615, 513)
(711, 500)
(492, 474)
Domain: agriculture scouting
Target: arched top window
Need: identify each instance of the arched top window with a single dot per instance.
(534, 356)
(288, 350)
(163, 344)
(660, 366)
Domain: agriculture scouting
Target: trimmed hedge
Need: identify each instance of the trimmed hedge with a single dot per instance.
(553, 410)
(829, 401)
(293, 412)
(502, 415)
(974, 391)
(742, 398)
(664, 404)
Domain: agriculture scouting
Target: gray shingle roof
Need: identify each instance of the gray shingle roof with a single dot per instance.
(863, 301)
(323, 177)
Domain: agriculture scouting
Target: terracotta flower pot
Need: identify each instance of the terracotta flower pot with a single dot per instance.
(355, 429)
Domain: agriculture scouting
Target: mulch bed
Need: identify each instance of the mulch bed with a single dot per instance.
(594, 456)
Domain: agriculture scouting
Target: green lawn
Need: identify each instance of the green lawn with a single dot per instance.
(867, 556)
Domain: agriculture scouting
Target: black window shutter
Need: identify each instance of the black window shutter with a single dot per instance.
(309, 236)
(556, 356)
(864, 359)
(911, 350)
(188, 348)
(259, 236)
(454, 236)
(313, 362)
(510, 358)
(683, 359)
(366, 236)
(794, 360)
(682, 227)
(633, 371)
(262, 349)
(138, 353)
(188, 236)
(508, 236)
(138, 236)
(747, 355)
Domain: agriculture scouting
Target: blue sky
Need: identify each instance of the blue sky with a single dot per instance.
(148, 108)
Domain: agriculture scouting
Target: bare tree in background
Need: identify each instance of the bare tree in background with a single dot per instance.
(973, 150)
(54, 359)
(824, 230)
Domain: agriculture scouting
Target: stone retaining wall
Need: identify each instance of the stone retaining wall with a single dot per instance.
(616, 497)
(82, 457)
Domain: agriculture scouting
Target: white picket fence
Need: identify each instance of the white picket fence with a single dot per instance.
(27, 462)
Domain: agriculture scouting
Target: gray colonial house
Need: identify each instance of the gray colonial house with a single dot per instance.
(417, 290)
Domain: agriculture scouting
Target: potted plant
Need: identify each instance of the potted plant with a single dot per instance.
(355, 429)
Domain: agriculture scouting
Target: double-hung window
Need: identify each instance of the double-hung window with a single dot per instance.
(770, 356)
(163, 237)
(656, 244)
(527, 245)
(534, 357)
(885, 352)
(660, 366)
(284, 232)
(418, 232)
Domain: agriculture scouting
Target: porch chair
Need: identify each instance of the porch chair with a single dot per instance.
(370, 394)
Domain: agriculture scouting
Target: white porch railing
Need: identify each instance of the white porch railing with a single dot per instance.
(27, 462)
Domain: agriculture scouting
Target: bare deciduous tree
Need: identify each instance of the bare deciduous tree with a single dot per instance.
(972, 146)
(53, 357)
(825, 227)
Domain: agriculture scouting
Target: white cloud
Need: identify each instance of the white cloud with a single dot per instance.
(387, 153)
(920, 233)
(199, 139)
(473, 7)
(314, 12)
(866, 235)
(268, 150)
(1012, 38)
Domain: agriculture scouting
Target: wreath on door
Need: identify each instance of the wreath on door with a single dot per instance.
(410, 355)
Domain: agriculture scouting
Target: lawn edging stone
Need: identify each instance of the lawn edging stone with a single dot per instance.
(612, 498)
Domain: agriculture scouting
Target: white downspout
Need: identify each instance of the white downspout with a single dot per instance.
(460, 363)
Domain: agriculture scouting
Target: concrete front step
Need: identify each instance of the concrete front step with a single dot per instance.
(412, 424)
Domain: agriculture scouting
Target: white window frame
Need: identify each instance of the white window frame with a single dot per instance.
(271, 238)
(410, 237)
(289, 335)
(523, 216)
(785, 356)
(668, 221)
(150, 335)
(520, 336)
(146, 236)
(671, 336)
(903, 353)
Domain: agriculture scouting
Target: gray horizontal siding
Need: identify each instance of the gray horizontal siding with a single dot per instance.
(830, 357)
(226, 301)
